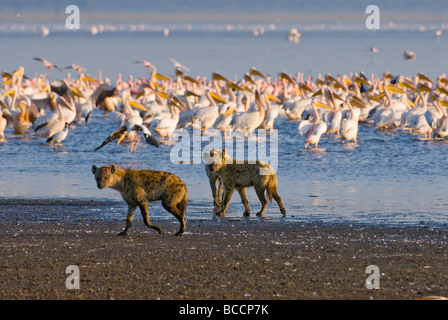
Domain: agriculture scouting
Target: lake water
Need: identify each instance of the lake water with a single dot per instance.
(389, 178)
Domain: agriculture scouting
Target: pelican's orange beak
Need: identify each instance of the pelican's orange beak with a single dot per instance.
(137, 105)
(217, 98)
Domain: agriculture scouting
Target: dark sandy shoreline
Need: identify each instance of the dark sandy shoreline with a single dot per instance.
(228, 258)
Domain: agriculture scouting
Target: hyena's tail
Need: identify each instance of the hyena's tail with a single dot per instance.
(272, 187)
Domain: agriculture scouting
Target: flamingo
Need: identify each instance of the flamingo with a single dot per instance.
(47, 63)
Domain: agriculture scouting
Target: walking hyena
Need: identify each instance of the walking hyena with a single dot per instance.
(139, 187)
(238, 176)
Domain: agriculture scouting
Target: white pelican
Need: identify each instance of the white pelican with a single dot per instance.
(53, 101)
(83, 111)
(21, 121)
(407, 120)
(104, 97)
(3, 124)
(178, 65)
(441, 128)
(294, 108)
(247, 122)
(205, 117)
(57, 138)
(53, 122)
(314, 129)
(383, 117)
(271, 113)
(333, 117)
(166, 125)
(186, 116)
(435, 114)
(420, 125)
(223, 122)
(18, 116)
(70, 113)
(349, 127)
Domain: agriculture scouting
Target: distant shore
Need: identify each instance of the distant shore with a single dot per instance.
(274, 17)
(226, 258)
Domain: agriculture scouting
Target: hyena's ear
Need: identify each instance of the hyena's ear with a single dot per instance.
(112, 168)
(223, 156)
(94, 168)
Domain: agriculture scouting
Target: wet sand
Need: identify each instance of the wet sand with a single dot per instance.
(228, 258)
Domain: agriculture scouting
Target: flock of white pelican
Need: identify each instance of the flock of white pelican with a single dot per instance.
(158, 105)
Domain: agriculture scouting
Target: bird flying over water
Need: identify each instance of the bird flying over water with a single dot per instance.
(47, 63)
(121, 132)
(178, 65)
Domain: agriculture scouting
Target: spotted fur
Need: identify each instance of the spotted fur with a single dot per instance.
(139, 187)
(238, 175)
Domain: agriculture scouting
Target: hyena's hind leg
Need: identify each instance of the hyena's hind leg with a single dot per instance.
(131, 212)
(273, 193)
(145, 214)
(279, 202)
(177, 209)
(259, 190)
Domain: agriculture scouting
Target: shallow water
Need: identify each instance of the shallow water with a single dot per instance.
(389, 178)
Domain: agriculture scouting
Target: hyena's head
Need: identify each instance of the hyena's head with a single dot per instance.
(104, 175)
(216, 158)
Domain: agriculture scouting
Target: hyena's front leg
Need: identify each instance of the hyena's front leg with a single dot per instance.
(242, 192)
(145, 214)
(216, 192)
(131, 211)
(225, 201)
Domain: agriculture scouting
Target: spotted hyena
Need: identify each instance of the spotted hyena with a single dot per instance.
(239, 176)
(139, 187)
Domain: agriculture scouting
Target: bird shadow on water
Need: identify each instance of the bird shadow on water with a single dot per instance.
(57, 148)
(316, 150)
(350, 145)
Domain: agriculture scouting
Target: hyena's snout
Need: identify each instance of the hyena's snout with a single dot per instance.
(101, 184)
